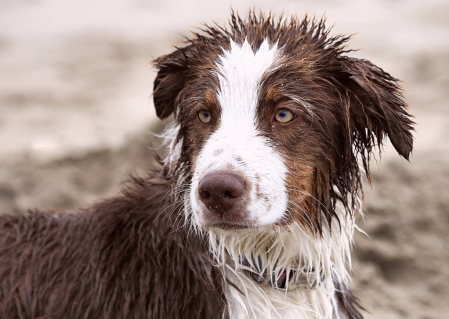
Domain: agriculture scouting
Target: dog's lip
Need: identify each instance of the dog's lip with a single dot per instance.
(224, 225)
(229, 226)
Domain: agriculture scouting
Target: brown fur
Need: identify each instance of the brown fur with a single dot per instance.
(125, 257)
(350, 105)
(130, 257)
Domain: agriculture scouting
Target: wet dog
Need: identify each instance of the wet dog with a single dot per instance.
(253, 211)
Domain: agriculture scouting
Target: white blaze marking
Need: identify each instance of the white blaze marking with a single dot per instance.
(244, 149)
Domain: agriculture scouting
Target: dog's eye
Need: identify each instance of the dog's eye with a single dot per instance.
(284, 116)
(204, 116)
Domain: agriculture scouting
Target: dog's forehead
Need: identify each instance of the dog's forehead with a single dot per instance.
(240, 70)
(242, 61)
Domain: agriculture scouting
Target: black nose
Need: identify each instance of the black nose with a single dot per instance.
(220, 191)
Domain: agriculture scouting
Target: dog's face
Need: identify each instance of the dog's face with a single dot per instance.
(272, 118)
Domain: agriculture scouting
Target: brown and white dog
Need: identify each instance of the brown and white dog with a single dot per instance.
(253, 212)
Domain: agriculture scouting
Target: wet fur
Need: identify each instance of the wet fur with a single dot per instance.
(132, 257)
(121, 258)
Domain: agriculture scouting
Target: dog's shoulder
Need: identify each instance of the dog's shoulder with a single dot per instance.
(127, 256)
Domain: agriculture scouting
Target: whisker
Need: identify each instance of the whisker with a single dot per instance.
(176, 202)
(297, 190)
(174, 222)
(170, 191)
(306, 217)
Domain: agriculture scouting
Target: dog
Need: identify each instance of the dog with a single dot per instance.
(252, 212)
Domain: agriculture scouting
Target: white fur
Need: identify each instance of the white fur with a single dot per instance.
(237, 145)
(291, 248)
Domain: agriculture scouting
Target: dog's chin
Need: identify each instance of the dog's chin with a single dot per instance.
(227, 227)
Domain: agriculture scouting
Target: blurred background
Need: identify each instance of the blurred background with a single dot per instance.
(76, 117)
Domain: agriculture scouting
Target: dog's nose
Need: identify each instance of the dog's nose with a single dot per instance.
(220, 191)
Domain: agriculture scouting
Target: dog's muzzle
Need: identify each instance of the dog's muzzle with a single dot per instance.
(223, 194)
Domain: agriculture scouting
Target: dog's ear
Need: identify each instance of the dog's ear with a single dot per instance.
(376, 106)
(173, 70)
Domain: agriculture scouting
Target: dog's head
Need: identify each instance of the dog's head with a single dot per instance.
(273, 119)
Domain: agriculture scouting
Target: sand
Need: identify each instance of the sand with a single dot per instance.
(76, 118)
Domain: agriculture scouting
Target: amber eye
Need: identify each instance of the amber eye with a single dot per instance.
(204, 116)
(284, 116)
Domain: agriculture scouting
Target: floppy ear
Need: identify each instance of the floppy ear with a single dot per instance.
(173, 70)
(376, 107)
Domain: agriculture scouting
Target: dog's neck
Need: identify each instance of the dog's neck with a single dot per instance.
(311, 263)
(284, 279)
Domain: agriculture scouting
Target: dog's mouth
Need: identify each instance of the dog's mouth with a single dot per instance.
(228, 226)
(223, 224)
